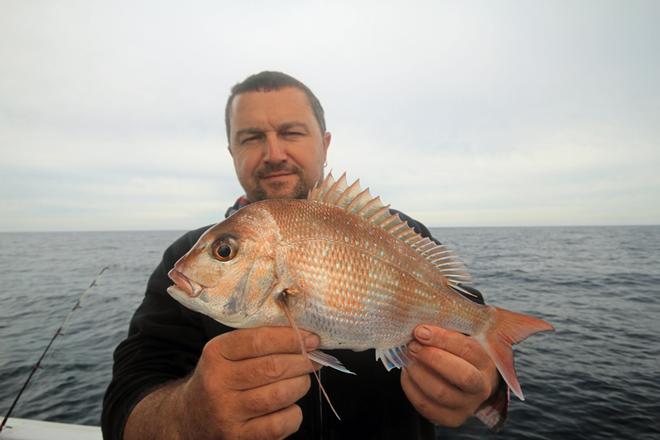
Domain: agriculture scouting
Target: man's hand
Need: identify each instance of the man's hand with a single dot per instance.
(245, 386)
(449, 377)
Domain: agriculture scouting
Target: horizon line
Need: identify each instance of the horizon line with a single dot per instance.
(43, 231)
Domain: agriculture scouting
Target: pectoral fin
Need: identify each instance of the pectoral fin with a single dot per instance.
(328, 361)
(282, 301)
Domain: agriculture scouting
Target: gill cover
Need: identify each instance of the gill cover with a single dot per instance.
(252, 290)
(239, 264)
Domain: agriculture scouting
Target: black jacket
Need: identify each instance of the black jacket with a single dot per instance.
(165, 341)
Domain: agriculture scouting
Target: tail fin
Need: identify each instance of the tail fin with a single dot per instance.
(509, 328)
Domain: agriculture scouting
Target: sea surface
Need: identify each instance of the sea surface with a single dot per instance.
(596, 377)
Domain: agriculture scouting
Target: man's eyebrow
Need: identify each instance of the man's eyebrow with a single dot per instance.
(249, 130)
(293, 124)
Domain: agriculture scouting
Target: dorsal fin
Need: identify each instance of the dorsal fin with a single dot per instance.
(360, 202)
(335, 191)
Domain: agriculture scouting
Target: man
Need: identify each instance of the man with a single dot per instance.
(181, 375)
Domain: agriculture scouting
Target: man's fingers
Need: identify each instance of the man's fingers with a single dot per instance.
(277, 425)
(255, 342)
(428, 406)
(454, 370)
(256, 372)
(274, 397)
(434, 389)
(465, 347)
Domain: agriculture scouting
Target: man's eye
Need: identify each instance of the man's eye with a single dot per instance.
(249, 139)
(293, 133)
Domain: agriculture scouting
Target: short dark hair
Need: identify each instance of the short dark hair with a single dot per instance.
(267, 81)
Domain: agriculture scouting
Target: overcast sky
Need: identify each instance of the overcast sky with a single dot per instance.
(463, 113)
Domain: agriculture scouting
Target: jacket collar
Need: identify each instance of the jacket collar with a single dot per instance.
(240, 203)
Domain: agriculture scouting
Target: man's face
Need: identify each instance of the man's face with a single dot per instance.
(276, 143)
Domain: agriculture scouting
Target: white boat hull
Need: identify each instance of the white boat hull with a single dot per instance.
(24, 429)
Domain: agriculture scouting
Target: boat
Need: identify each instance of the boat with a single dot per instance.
(26, 429)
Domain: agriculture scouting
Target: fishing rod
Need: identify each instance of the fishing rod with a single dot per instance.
(36, 366)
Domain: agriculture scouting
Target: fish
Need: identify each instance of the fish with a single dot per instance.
(342, 265)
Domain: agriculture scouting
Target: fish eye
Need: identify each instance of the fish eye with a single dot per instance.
(225, 249)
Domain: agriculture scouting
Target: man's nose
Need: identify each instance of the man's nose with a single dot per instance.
(275, 151)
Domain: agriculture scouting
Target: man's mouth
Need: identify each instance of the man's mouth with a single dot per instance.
(279, 174)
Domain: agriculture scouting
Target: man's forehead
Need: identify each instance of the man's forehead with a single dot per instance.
(267, 107)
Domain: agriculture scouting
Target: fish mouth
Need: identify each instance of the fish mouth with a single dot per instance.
(201, 305)
(190, 287)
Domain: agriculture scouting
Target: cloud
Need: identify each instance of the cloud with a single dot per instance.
(459, 113)
(568, 179)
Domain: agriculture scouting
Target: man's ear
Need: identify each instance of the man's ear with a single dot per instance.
(326, 142)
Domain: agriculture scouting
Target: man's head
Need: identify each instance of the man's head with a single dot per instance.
(268, 81)
(277, 138)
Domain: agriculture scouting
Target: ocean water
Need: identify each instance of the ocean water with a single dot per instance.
(596, 377)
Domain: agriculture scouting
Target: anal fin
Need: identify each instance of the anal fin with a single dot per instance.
(393, 357)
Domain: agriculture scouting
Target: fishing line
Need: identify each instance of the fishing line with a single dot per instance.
(57, 333)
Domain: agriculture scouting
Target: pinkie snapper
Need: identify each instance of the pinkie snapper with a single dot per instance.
(340, 265)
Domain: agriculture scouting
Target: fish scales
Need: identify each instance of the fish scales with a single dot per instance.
(350, 271)
(374, 297)
(379, 287)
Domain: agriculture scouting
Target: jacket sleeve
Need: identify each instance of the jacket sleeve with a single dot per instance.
(493, 412)
(163, 344)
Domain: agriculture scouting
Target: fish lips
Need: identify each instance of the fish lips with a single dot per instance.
(184, 298)
(185, 284)
(189, 293)
(196, 297)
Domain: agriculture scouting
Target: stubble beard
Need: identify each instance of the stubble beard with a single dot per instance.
(299, 191)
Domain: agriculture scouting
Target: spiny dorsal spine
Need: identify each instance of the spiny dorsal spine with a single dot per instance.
(361, 203)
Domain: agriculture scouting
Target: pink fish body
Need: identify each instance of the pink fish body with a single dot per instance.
(351, 272)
